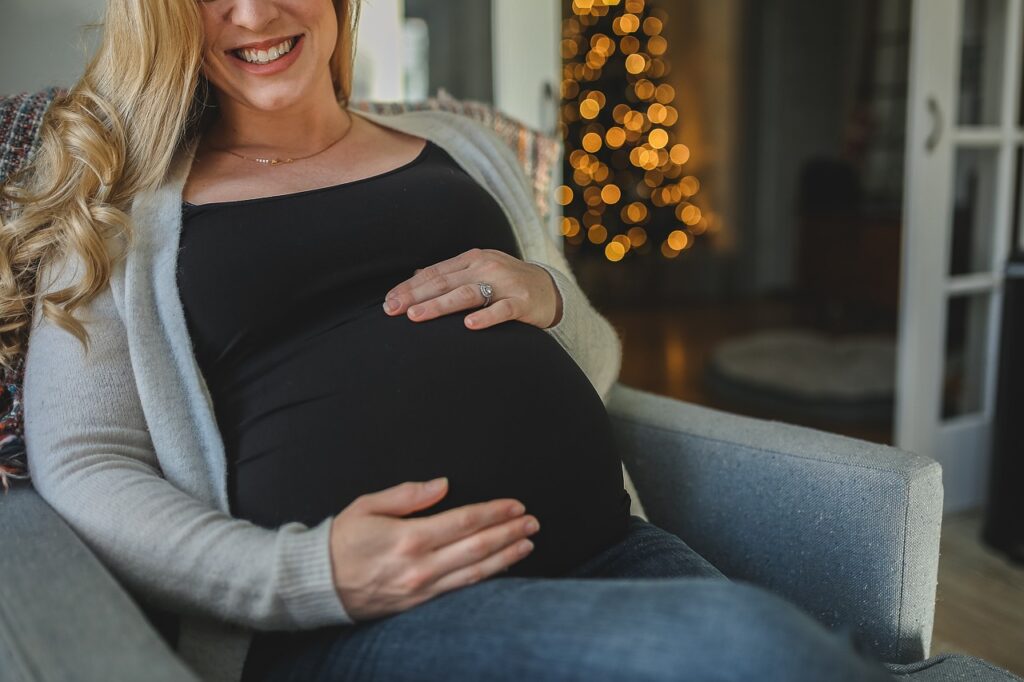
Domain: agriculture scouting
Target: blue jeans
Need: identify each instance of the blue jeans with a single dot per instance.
(646, 608)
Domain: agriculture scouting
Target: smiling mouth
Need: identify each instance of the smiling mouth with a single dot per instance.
(269, 55)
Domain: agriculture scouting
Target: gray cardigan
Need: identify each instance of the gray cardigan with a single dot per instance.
(123, 442)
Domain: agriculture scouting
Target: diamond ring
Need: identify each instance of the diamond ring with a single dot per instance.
(485, 291)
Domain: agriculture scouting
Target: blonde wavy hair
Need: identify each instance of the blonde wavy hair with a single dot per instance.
(112, 135)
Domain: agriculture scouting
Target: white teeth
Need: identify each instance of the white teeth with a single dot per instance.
(266, 56)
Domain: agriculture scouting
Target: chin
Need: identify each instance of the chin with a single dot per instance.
(277, 100)
(281, 95)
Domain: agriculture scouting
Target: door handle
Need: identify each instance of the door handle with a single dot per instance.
(936, 134)
(548, 109)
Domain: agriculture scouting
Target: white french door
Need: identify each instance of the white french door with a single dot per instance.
(963, 187)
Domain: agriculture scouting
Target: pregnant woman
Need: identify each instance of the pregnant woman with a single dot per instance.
(322, 396)
(319, 388)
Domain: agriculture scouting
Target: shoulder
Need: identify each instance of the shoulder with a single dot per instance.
(448, 127)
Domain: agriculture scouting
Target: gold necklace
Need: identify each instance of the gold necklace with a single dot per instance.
(292, 159)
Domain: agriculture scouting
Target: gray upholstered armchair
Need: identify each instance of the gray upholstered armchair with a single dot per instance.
(847, 529)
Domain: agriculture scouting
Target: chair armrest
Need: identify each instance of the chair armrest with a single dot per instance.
(847, 529)
(63, 616)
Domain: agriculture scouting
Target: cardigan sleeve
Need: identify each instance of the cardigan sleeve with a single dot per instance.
(91, 458)
(586, 334)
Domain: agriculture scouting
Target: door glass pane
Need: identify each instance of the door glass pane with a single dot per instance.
(981, 61)
(964, 372)
(974, 204)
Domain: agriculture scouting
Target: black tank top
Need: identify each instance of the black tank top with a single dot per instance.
(320, 396)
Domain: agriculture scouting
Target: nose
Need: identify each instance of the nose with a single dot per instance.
(254, 15)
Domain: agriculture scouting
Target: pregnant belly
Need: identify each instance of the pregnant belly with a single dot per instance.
(375, 401)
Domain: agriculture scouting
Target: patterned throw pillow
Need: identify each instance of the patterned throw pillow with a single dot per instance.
(20, 118)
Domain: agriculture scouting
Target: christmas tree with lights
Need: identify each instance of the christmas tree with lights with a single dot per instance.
(626, 188)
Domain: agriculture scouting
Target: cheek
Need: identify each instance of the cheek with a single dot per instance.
(211, 27)
(328, 25)
(209, 39)
(212, 69)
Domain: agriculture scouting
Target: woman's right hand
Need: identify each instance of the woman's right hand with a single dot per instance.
(384, 564)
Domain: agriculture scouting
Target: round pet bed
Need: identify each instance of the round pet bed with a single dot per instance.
(806, 373)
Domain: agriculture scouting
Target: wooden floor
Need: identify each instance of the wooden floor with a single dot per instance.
(979, 609)
(980, 602)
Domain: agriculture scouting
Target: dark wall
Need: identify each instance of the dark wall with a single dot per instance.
(800, 76)
(460, 46)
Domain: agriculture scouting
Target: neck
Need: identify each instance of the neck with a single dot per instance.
(305, 127)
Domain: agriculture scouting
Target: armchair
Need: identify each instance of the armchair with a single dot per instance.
(847, 529)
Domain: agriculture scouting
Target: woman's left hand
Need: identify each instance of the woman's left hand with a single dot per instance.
(521, 291)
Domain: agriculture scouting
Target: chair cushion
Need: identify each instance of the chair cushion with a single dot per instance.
(20, 119)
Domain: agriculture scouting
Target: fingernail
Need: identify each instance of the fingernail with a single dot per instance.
(437, 484)
(391, 305)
